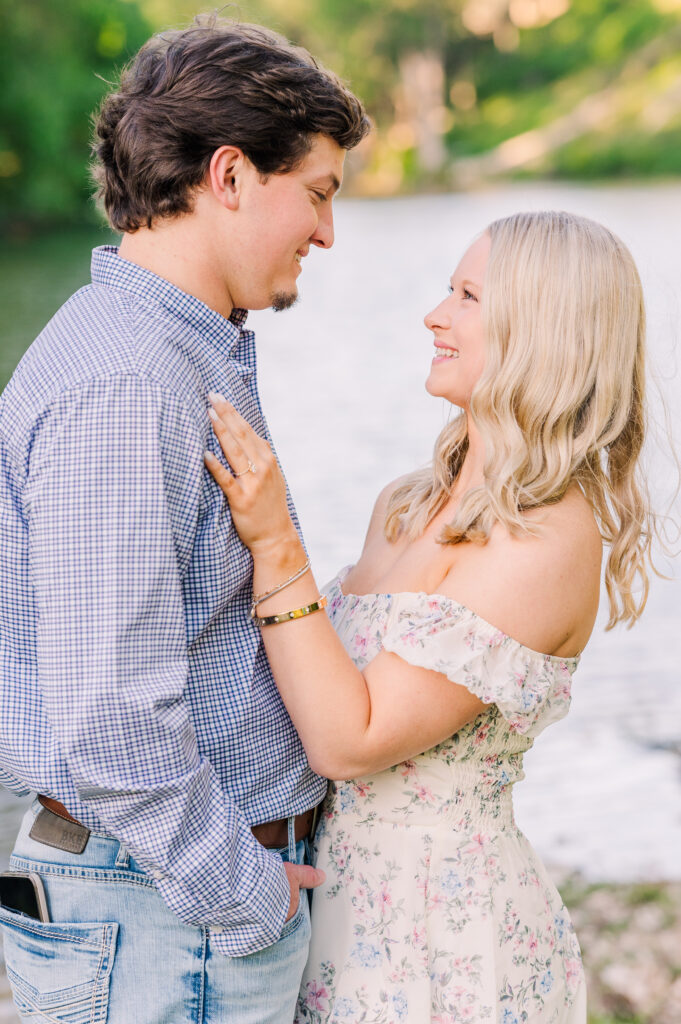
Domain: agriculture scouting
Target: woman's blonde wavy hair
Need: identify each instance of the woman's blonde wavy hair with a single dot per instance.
(561, 399)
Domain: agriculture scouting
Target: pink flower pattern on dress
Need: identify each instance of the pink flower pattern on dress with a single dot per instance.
(435, 907)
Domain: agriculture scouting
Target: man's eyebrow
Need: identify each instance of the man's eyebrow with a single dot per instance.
(330, 180)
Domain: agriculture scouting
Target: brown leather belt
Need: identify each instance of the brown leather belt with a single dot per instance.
(274, 834)
(271, 834)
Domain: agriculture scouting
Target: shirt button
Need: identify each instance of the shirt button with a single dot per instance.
(158, 875)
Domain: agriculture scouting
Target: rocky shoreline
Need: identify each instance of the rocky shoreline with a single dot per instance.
(631, 943)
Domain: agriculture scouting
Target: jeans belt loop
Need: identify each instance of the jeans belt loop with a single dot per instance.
(291, 822)
(122, 861)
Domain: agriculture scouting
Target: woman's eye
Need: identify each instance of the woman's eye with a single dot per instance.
(450, 289)
(469, 295)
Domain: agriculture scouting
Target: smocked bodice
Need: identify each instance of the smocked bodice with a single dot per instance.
(467, 779)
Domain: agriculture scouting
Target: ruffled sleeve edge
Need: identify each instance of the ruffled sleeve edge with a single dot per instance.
(526, 686)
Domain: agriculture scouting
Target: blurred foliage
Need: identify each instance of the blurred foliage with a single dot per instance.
(55, 62)
(460, 90)
(509, 67)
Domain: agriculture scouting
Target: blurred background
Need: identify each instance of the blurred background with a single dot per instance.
(481, 108)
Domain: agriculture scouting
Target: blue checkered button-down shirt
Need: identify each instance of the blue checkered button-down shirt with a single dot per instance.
(133, 686)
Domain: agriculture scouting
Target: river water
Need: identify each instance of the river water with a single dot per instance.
(342, 381)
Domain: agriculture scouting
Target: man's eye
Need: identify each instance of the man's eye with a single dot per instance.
(319, 196)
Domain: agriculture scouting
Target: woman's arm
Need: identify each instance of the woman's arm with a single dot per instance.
(351, 723)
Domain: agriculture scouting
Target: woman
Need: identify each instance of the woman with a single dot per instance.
(458, 631)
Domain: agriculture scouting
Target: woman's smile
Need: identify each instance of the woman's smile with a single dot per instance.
(444, 352)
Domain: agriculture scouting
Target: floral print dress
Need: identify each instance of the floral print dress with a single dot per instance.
(435, 906)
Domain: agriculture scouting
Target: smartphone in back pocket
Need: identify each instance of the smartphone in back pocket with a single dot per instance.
(24, 893)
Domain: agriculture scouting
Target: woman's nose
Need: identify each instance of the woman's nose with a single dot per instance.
(438, 318)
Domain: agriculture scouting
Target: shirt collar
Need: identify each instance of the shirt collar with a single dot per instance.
(109, 269)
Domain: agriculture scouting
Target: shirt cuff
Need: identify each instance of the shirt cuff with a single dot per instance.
(255, 922)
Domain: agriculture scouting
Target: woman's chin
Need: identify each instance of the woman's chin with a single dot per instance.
(438, 391)
(436, 387)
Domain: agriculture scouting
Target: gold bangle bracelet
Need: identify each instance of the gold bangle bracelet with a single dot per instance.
(297, 613)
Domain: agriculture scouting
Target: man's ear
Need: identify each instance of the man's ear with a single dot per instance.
(225, 173)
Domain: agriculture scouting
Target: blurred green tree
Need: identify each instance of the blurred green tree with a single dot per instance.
(55, 62)
(460, 90)
(446, 80)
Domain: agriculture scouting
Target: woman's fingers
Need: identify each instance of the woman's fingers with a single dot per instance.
(235, 434)
(258, 501)
(220, 473)
(239, 427)
(231, 448)
(244, 450)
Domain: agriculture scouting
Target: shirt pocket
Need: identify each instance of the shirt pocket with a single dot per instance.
(59, 972)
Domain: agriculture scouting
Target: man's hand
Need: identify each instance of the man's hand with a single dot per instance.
(300, 876)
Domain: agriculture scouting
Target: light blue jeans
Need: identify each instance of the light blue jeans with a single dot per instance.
(115, 954)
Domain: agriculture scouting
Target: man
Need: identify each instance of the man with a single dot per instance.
(136, 699)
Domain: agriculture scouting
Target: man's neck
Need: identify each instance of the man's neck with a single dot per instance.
(176, 253)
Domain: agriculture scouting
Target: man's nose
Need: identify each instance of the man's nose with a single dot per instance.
(324, 235)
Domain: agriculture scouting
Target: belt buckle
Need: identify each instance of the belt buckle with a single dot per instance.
(52, 830)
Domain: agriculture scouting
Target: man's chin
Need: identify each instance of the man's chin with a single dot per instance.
(283, 300)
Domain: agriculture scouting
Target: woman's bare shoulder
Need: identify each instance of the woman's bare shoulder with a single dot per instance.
(377, 521)
(567, 529)
(541, 587)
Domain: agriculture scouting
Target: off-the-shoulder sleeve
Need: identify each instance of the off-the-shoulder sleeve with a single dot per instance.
(531, 690)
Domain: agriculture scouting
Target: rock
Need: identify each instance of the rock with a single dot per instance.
(651, 917)
(635, 989)
(630, 937)
(668, 944)
(671, 1010)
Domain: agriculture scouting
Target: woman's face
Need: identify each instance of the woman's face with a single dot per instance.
(457, 329)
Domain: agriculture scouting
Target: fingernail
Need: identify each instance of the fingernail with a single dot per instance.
(215, 396)
(213, 415)
(209, 457)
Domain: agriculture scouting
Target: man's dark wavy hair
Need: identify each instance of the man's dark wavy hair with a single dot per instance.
(188, 92)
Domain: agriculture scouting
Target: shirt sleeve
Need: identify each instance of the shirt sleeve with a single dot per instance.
(112, 502)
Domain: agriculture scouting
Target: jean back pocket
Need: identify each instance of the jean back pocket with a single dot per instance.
(59, 972)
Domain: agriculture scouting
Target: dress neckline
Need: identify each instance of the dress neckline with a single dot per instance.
(337, 581)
